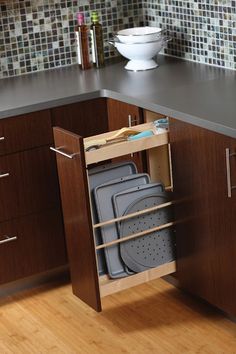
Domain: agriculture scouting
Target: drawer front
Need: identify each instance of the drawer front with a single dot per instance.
(30, 245)
(28, 183)
(25, 132)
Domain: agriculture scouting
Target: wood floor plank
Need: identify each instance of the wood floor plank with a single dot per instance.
(153, 318)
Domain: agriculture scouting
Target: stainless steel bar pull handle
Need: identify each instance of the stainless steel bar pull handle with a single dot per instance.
(228, 155)
(2, 175)
(61, 152)
(8, 239)
(131, 121)
(2, 138)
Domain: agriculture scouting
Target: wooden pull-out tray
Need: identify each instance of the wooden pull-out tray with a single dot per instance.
(72, 161)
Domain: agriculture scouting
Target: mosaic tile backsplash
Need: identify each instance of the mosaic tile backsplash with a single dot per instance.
(202, 30)
(39, 34)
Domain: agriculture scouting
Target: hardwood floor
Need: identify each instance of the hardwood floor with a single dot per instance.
(151, 318)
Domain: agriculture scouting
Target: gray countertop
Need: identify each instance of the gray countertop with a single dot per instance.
(195, 93)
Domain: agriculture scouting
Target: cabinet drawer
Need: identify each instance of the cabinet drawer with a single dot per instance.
(28, 183)
(35, 244)
(25, 131)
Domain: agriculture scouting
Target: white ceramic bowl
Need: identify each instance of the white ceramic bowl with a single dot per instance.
(139, 34)
(140, 54)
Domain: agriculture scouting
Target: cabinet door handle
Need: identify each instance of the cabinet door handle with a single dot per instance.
(8, 239)
(59, 151)
(2, 138)
(131, 121)
(4, 175)
(228, 155)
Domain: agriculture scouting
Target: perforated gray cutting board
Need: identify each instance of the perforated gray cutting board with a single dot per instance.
(153, 249)
(99, 175)
(103, 200)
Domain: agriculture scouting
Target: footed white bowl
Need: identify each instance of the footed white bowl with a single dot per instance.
(140, 55)
(139, 34)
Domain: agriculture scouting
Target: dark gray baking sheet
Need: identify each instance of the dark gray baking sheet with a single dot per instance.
(99, 175)
(153, 249)
(103, 200)
(122, 201)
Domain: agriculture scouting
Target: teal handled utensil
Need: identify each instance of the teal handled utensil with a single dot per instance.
(143, 134)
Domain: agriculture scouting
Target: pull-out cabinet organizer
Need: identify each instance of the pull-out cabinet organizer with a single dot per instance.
(72, 162)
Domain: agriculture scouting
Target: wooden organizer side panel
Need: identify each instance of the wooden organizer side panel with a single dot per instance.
(77, 217)
(159, 159)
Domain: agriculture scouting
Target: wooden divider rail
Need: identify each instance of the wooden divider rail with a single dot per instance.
(72, 163)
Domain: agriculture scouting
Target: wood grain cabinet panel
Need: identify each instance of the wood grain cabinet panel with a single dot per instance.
(84, 118)
(32, 184)
(38, 245)
(206, 242)
(77, 218)
(119, 112)
(25, 131)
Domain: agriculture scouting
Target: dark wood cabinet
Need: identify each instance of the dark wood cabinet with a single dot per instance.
(206, 243)
(31, 226)
(25, 132)
(35, 243)
(121, 114)
(30, 202)
(30, 184)
(85, 118)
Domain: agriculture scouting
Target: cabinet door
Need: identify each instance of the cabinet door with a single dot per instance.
(29, 183)
(77, 217)
(25, 132)
(31, 244)
(206, 243)
(84, 118)
(121, 115)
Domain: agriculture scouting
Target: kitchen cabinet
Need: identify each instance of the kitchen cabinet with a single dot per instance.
(121, 114)
(30, 183)
(25, 132)
(72, 162)
(31, 227)
(206, 243)
(31, 244)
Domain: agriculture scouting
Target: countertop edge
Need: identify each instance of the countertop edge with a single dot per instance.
(40, 106)
(184, 117)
